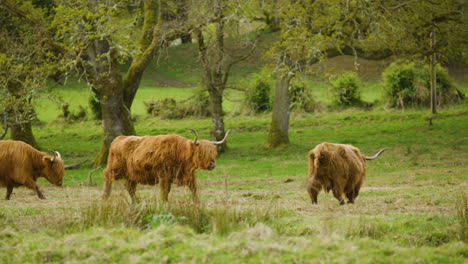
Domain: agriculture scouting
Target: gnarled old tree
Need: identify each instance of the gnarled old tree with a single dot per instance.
(94, 28)
(25, 65)
(97, 38)
(312, 30)
(217, 61)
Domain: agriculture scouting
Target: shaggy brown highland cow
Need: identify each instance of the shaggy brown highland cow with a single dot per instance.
(337, 167)
(21, 164)
(163, 159)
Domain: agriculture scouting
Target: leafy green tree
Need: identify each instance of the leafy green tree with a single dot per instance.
(312, 30)
(217, 60)
(25, 66)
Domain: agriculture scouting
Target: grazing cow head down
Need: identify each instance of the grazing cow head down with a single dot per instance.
(337, 167)
(205, 151)
(21, 165)
(53, 169)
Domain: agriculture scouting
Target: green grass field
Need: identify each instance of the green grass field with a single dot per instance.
(413, 207)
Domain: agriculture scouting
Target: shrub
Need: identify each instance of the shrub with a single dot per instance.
(345, 89)
(168, 108)
(95, 106)
(258, 95)
(165, 108)
(408, 84)
(198, 105)
(301, 97)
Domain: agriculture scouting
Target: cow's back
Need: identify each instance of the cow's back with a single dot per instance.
(17, 159)
(157, 155)
(121, 148)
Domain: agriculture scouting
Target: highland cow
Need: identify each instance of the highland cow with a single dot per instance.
(21, 164)
(163, 159)
(336, 167)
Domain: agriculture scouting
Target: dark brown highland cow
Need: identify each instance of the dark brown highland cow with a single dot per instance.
(21, 164)
(337, 167)
(163, 159)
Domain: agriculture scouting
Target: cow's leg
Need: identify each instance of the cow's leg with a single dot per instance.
(313, 188)
(193, 188)
(356, 190)
(131, 188)
(30, 183)
(9, 191)
(338, 193)
(107, 184)
(165, 187)
(350, 195)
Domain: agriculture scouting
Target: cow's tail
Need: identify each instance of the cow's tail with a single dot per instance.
(376, 155)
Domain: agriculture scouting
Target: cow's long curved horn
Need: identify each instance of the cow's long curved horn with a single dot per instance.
(224, 139)
(376, 155)
(58, 155)
(196, 135)
(53, 153)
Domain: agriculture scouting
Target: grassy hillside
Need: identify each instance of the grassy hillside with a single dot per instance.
(412, 208)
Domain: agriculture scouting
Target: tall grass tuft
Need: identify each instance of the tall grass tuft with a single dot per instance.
(120, 211)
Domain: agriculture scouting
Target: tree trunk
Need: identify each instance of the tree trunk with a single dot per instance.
(212, 59)
(23, 132)
(116, 117)
(5, 124)
(20, 115)
(433, 78)
(280, 115)
(186, 38)
(217, 134)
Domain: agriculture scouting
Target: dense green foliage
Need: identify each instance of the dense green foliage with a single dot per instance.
(258, 95)
(195, 106)
(346, 89)
(407, 84)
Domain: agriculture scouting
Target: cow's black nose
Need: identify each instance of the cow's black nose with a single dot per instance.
(211, 165)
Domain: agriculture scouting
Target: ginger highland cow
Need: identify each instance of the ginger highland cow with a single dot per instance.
(163, 159)
(336, 167)
(21, 164)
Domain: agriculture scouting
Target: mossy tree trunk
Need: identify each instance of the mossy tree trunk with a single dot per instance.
(279, 126)
(20, 113)
(116, 116)
(116, 93)
(218, 132)
(23, 132)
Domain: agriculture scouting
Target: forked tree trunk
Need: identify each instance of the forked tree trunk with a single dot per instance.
(279, 126)
(116, 117)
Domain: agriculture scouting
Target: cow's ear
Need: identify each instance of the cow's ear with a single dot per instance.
(342, 152)
(47, 159)
(312, 156)
(323, 158)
